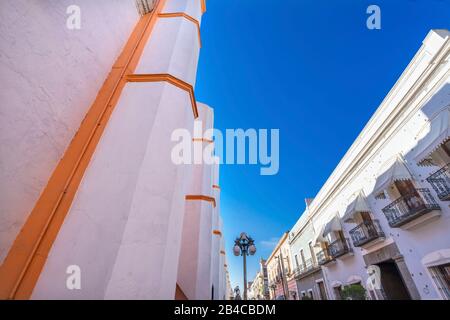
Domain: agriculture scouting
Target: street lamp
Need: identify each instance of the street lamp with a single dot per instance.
(244, 246)
(237, 293)
(284, 284)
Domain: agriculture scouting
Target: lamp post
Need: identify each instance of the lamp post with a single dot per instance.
(244, 246)
(237, 293)
(283, 279)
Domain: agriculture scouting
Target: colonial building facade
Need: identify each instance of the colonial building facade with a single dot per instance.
(282, 285)
(307, 271)
(89, 188)
(260, 284)
(385, 209)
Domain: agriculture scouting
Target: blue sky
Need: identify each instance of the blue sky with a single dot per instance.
(311, 69)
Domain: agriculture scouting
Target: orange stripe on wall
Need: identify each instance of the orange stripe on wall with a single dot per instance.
(179, 293)
(26, 258)
(203, 6)
(202, 140)
(163, 77)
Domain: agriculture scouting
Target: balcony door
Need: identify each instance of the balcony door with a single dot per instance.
(409, 193)
(405, 187)
(368, 224)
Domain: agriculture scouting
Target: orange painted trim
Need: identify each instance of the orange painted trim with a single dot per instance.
(217, 232)
(222, 252)
(215, 186)
(164, 77)
(203, 6)
(186, 16)
(26, 257)
(202, 140)
(201, 197)
(179, 293)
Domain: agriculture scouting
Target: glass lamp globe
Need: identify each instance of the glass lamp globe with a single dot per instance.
(236, 250)
(252, 249)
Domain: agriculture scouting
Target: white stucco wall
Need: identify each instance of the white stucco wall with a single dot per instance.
(50, 76)
(124, 228)
(216, 268)
(195, 265)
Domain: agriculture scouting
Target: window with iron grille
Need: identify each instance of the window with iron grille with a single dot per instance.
(441, 276)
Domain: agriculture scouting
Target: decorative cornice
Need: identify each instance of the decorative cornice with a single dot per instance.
(201, 198)
(164, 77)
(187, 17)
(202, 140)
(203, 6)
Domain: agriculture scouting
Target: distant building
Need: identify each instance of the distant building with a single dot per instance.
(282, 283)
(260, 284)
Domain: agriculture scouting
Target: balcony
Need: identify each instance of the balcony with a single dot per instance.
(305, 269)
(440, 181)
(323, 258)
(366, 232)
(339, 248)
(410, 207)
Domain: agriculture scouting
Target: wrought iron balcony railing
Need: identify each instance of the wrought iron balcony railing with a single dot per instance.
(323, 257)
(440, 181)
(308, 267)
(366, 232)
(339, 248)
(410, 207)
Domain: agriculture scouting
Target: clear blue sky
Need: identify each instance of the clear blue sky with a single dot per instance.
(312, 69)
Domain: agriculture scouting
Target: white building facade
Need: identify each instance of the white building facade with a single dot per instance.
(386, 205)
(307, 272)
(260, 284)
(88, 179)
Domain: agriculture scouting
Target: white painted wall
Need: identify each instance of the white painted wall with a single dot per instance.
(195, 270)
(174, 44)
(216, 268)
(50, 76)
(125, 226)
